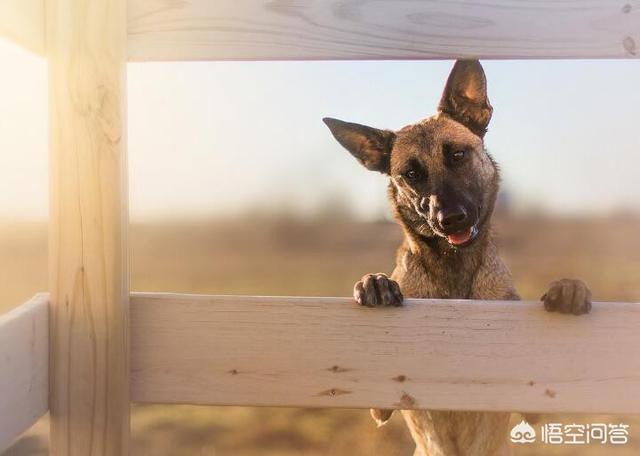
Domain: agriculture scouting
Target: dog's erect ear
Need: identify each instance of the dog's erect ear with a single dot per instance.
(372, 147)
(465, 96)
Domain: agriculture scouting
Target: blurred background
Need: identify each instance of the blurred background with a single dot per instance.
(237, 187)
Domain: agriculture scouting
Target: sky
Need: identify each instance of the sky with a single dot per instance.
(213, 139)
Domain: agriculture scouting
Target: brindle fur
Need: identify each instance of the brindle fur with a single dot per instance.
(427, 265)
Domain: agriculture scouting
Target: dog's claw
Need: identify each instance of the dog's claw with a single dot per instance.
(568, 296)
(377, 290)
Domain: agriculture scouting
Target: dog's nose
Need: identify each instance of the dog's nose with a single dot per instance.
(451, 217)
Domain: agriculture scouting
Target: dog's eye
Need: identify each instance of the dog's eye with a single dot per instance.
(412, 174)
(454, 154)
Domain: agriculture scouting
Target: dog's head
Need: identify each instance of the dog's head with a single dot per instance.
(443, 183)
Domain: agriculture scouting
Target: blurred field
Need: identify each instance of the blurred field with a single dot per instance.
(318, 257)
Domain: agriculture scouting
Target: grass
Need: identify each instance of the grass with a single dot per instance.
(321, 257)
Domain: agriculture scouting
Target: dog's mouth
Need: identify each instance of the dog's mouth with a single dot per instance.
(463, 237)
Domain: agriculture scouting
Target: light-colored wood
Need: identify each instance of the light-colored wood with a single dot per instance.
(89, 362)
(22, 22)
(328, 352)
(24, 364)
(382, 29)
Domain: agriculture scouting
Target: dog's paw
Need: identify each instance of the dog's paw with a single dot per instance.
(568, 296)
(380, 416)
(377, 290)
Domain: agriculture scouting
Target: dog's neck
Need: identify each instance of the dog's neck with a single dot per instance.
(450, 271)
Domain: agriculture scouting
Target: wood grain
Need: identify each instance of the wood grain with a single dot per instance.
(328, 352)
(24, 364)
(88, 273)
(22, 23)
(381, 29)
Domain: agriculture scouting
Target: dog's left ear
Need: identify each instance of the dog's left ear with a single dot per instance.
(370, 146)
(465, 96)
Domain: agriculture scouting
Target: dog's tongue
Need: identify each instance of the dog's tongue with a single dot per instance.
(460, 237)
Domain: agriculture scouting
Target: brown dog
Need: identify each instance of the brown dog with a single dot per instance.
(443, 187)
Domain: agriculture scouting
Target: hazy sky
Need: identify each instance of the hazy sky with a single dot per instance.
(218, 138)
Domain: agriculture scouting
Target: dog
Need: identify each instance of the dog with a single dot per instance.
(442, 187)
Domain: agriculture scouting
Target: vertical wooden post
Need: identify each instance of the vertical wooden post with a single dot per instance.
(89, 357)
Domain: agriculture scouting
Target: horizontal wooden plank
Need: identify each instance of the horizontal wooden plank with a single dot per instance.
(24, 361)
(22, 22)
(382, 29)
(328, 352)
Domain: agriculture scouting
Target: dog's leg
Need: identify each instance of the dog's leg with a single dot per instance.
(378, 290)
(381, 416)
(569, 296)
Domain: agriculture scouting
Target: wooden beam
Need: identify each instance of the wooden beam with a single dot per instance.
(384, 29)
(22, 23)
(88, 273)
(328, 352)
(24, 363)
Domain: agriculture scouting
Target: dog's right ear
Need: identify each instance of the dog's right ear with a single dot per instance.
(370, 146)
(465, 96)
